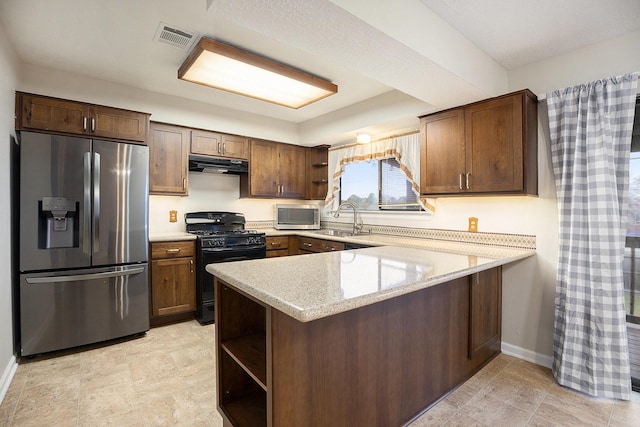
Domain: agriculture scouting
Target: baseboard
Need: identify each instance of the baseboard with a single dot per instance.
(7, 376)
(528, 355)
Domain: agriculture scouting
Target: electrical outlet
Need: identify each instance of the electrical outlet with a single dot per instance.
(173, 216)
(473, 225)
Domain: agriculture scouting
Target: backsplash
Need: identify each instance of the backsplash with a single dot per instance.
(520, 241)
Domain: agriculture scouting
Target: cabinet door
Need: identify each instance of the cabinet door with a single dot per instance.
(219, 144)
(263, 173)
(485, 317)
(168, 159)
(236, 147)
(173, 286)
(292, 171)
(442, 153)
(494, 141)
(107, 122)
(207, 143)
(50, 114)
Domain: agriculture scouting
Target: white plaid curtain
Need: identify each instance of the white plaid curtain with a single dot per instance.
(590, 128)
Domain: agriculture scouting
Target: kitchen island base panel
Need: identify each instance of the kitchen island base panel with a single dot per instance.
(381, 364)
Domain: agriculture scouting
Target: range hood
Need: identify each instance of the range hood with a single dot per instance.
(218, 165)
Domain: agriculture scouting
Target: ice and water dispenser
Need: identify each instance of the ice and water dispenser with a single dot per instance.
(59, 223)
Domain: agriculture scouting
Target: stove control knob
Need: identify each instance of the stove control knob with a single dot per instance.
(215, 242)
(254, 240)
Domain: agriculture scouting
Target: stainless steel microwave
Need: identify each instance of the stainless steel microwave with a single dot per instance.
(296, 217)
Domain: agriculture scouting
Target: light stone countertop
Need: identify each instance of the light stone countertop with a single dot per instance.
(170, 236)
(313, 286)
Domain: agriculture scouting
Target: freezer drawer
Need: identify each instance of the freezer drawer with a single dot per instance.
(75, 307)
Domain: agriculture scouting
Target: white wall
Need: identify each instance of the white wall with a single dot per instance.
(8, 82)
(208, 192)
(601, 60)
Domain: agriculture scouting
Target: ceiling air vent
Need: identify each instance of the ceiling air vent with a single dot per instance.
(174, 37)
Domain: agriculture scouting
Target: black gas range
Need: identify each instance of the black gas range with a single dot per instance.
(221, 237)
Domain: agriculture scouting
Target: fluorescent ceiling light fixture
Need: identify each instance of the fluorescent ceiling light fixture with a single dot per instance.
(218, 65)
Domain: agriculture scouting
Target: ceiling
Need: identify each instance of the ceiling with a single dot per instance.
(399, 59)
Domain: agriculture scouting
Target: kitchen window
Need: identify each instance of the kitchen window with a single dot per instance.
(380, 176)
(631, 266)
(377, 185)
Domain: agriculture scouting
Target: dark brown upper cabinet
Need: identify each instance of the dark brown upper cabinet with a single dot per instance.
(488, 147)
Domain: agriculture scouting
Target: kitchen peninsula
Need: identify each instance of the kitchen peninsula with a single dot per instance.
(369, 336)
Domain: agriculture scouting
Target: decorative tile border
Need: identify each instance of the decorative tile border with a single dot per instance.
(520, 241)
(257, 225)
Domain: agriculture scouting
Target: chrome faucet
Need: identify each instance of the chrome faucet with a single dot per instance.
(356, 226)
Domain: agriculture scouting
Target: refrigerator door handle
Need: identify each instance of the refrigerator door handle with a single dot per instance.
(81, 277)
(96, 202)
(86, 199)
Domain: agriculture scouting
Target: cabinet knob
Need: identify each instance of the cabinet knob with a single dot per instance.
(460, 181)
(173, 251)
(276, 243)
(468, 175)
(307, 245)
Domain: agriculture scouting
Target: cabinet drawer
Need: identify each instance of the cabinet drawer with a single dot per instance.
(277, 242)
(307, 244)
(162, 250)
(330, 246)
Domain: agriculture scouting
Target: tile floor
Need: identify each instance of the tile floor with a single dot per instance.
(166, 378)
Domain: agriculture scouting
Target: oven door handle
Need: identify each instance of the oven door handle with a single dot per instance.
(239, 249)
(236, 258)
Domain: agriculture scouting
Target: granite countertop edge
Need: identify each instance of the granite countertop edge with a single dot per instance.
(321, 311)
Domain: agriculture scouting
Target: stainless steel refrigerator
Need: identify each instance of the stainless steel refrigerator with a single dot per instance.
(83, 241)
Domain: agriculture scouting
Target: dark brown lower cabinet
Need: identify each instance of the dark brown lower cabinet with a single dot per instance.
(382, 364)
(172, 281)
